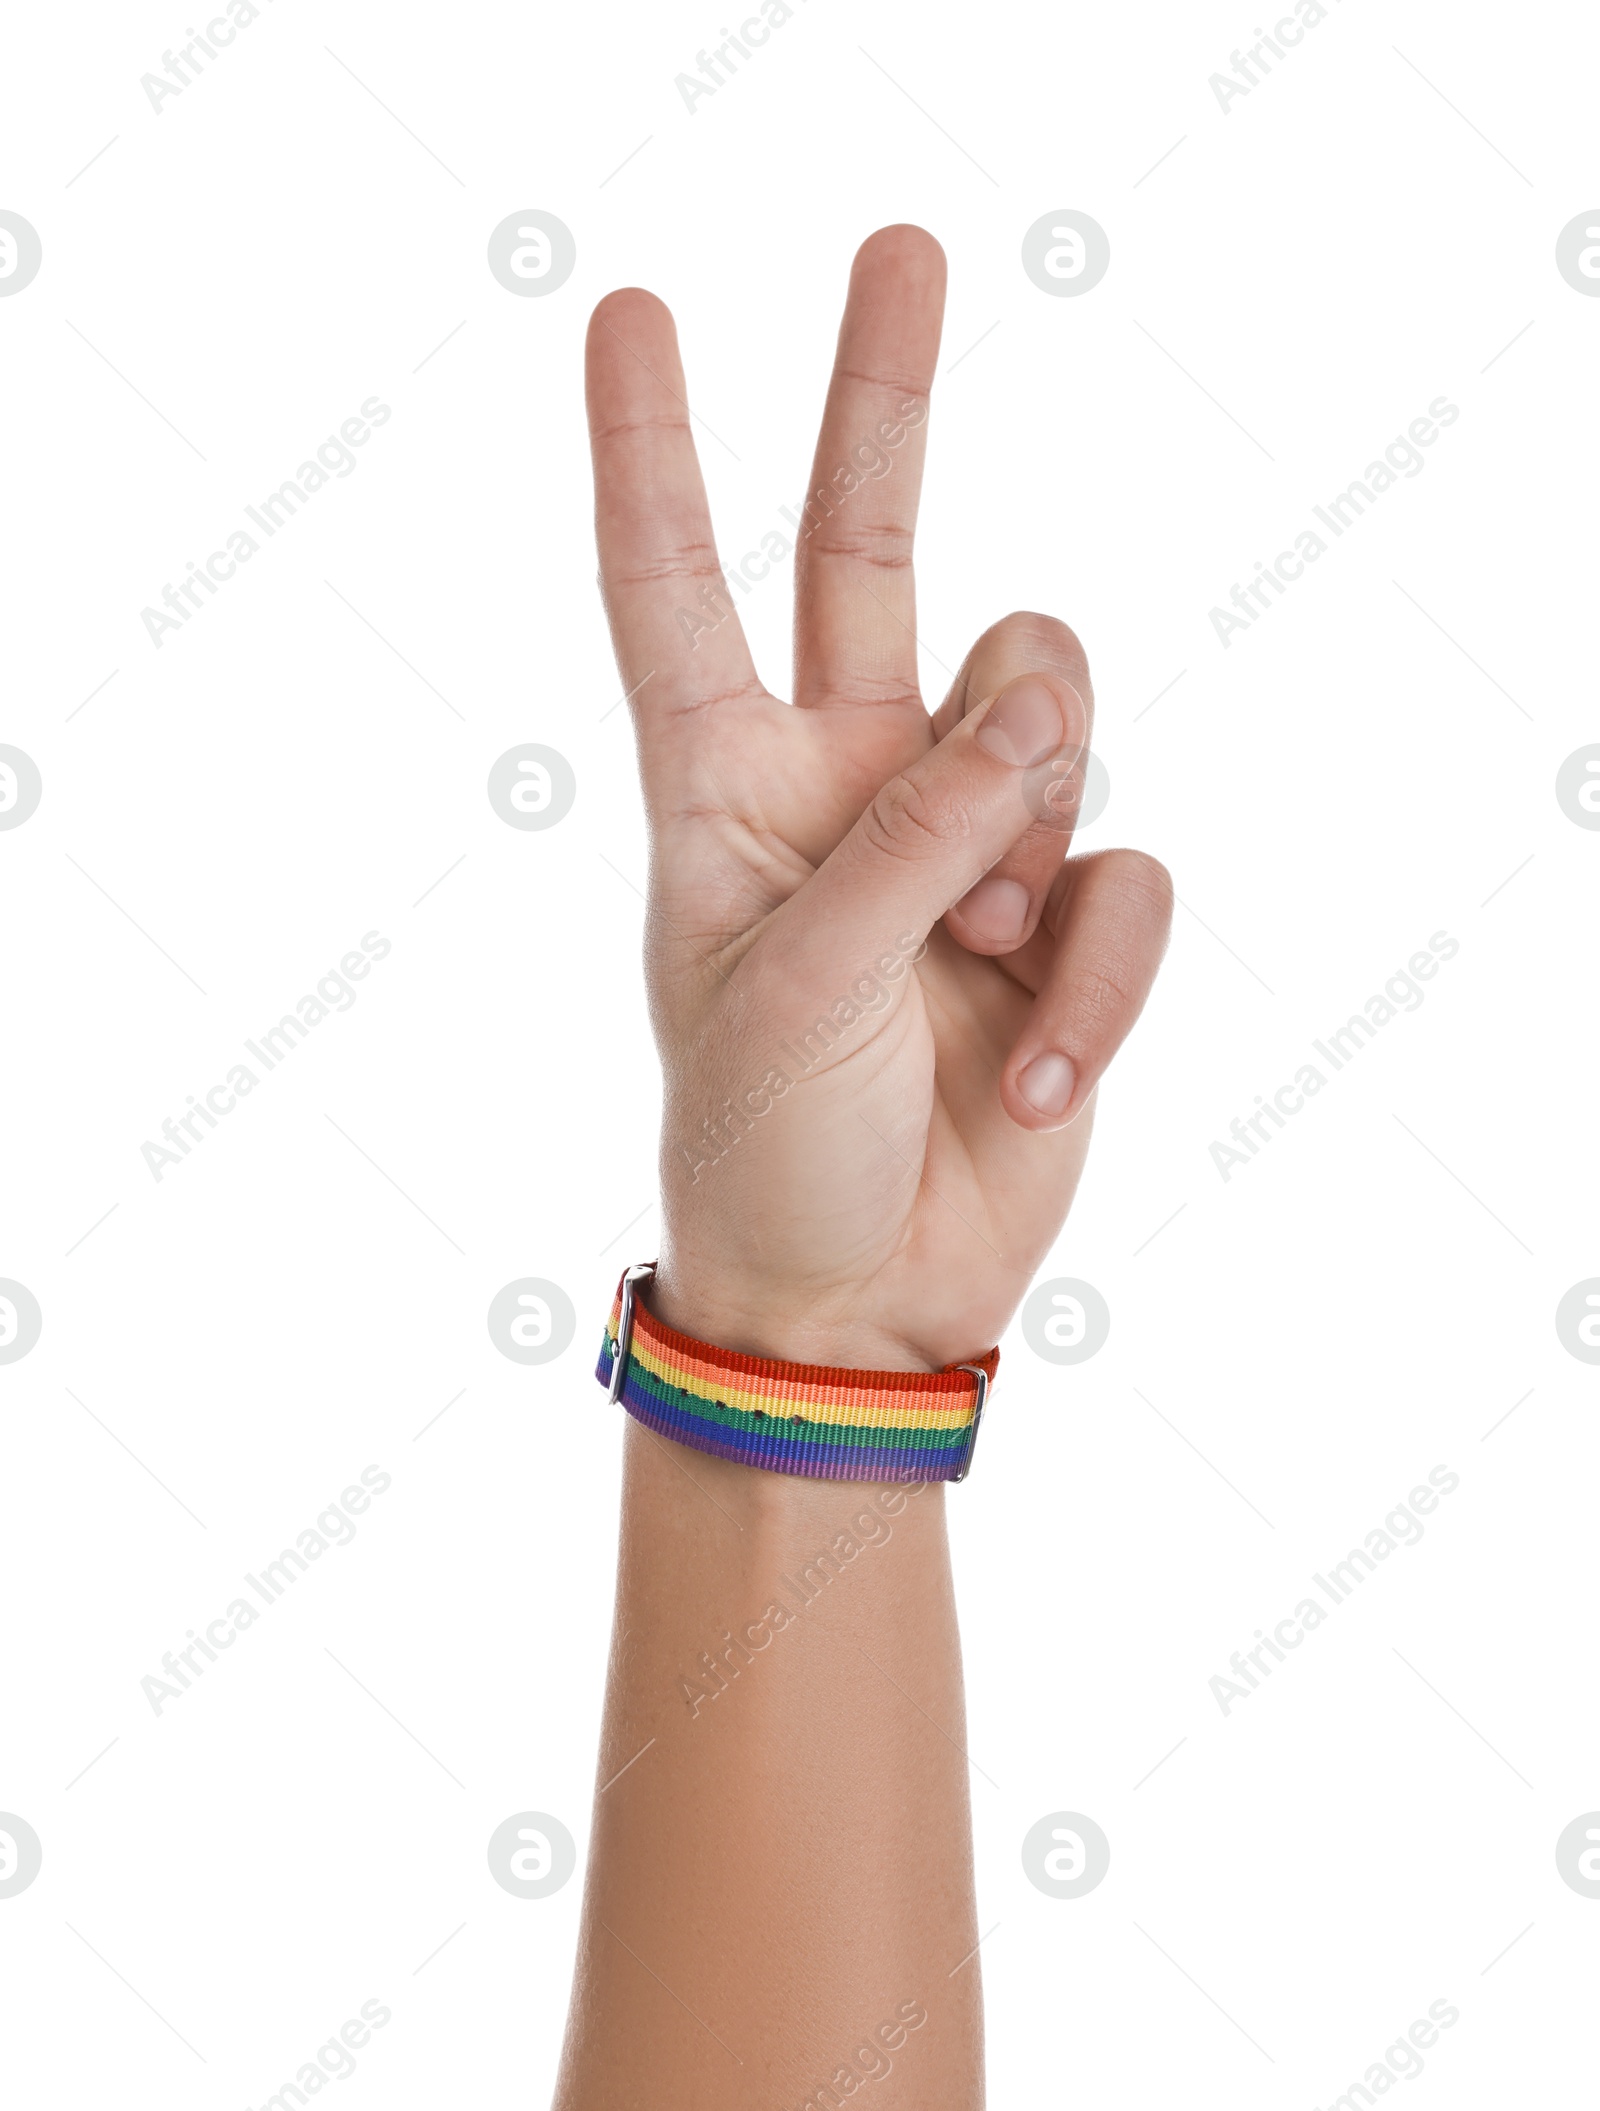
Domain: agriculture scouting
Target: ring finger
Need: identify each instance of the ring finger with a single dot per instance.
(1002, 911)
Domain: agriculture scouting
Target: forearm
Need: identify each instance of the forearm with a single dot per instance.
(780, 1879)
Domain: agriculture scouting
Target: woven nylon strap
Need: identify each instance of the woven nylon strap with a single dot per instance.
(831, 1424)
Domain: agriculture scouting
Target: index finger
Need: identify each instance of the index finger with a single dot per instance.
(678, 640)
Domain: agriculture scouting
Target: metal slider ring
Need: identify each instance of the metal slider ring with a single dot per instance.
(619, 1368)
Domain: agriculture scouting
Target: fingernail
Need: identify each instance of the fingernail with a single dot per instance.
(1046, 1083)
(1023, 725)
(997, 909)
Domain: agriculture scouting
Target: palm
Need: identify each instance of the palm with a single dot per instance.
(891, 1178)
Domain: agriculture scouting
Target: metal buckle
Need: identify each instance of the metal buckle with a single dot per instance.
(982, 1376)
(619, 1368)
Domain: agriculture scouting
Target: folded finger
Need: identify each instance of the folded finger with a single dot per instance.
(1003, 909)
(1110, 914)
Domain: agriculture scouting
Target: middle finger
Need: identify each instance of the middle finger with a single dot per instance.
(855, 606)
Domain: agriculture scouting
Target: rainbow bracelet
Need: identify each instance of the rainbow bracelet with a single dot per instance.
(836, 1425)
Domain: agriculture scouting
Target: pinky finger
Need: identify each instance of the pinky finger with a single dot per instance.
(1109, 914)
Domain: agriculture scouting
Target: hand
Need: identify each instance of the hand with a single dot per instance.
(882, 994)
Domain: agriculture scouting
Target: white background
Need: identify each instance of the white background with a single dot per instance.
(1368, 765)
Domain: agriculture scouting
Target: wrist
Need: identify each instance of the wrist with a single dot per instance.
(779, 1328)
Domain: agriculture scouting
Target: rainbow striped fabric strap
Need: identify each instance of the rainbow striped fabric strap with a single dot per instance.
(835, 1425)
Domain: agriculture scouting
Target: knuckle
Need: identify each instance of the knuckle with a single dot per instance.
(1042, 641)
(625, 428)
(1104, 996)
(886, 544)
(1054, 800)
(684, 561)
(905, 820)
(1146, 885)
(894, 381)
(861, 688)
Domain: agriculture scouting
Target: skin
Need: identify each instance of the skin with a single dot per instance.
(786, 1869)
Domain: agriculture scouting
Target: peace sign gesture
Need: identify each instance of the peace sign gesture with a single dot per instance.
(882, 992)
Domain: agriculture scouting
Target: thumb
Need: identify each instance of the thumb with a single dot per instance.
(932, 832)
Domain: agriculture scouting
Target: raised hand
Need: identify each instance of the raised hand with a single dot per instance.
(882, 992)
